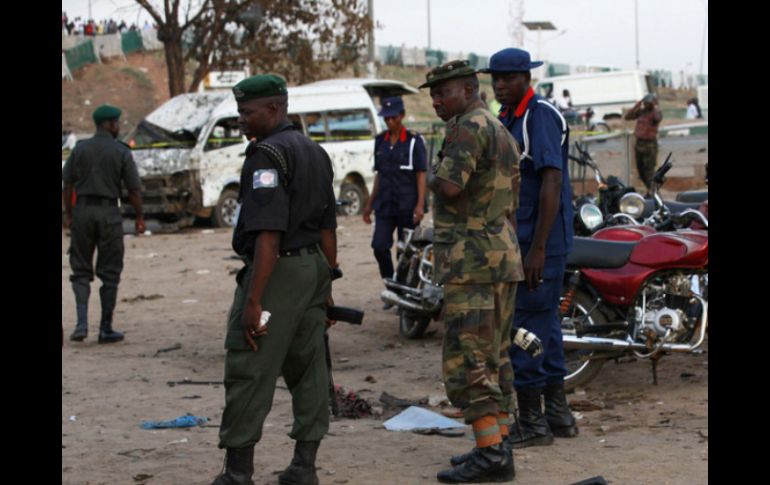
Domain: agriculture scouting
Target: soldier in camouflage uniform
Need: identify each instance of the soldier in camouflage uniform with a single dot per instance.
(477, 259)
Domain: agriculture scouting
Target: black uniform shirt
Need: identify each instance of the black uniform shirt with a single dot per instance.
(97, 165)
(299, 211)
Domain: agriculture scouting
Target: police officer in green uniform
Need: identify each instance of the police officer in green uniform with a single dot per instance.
(286, 233)
(94, 170)
(477, 260)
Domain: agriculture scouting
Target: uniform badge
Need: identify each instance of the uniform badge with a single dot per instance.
(265, 178)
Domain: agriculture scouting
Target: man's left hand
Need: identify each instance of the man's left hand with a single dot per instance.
(330, 302)
(534, 262)
(419, 213)
(252, 330)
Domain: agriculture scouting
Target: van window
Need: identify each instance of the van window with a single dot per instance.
(350, 125)
(316, 128)
(225, 133)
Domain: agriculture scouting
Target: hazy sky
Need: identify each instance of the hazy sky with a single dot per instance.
(598, 32)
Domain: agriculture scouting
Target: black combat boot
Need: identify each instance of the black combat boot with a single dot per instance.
(106, 334)
(489, 464)
(458, 459)
(239, 467)
(531, 428)
(557, 412)
(82, 291)
(301, 470)
(81, 328)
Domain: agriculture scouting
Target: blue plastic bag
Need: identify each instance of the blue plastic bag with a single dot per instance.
(186, 421)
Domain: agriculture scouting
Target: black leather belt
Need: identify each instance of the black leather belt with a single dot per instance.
(296, 252)
(95, 200)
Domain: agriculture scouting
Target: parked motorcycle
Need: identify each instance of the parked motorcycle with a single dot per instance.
(633, 290)
(418, 299)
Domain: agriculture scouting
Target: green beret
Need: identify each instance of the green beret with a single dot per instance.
(106, 112)
(445, 72)
(261, 86)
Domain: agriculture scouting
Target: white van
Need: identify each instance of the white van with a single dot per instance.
(607, 93)
(190, 151)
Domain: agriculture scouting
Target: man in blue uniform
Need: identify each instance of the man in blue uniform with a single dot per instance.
(398, 196)
(544, 230)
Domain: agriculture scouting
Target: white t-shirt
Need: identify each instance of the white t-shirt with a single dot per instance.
(692, 112)
(563, 103)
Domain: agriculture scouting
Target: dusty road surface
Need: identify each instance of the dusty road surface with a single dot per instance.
(176, 291)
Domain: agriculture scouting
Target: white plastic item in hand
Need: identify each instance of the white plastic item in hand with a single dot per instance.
(263, 318)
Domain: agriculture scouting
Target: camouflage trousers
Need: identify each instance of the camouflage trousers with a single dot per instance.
(646, 159)
(478, 375)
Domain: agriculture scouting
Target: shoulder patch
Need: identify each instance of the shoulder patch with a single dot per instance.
(265, 178)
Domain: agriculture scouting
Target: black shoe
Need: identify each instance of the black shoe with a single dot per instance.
(459, 459)
(301, 470)
(531, 427)
(79, 334)
(239, 467)
(109, 336)
(489, 464)
(557, 412)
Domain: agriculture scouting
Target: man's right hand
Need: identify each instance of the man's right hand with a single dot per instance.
(139, 226)
(367, 214)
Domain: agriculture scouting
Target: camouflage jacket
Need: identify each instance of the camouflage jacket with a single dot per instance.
(474, 242)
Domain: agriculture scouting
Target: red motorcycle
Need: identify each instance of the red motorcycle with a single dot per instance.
(631, 289)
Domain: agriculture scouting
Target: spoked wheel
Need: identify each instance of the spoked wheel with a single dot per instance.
(411, 325)
(582, 365)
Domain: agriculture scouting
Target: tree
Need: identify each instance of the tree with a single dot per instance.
(295, 38)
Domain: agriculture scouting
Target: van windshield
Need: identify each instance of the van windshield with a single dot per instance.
(146, 135)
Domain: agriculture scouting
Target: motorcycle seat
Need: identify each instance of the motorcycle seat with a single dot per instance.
(423, 234)
(693, 196)
(598, 254)
(673, 206)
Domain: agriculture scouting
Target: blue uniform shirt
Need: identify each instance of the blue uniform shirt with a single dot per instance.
(543, 144)
(396, 166)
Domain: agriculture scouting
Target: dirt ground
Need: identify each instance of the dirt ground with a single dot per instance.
(177, 288)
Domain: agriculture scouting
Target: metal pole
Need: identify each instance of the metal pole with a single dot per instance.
(371, 68)
(636, 21)
(429, 39)
(371, 32)
(703, 46)
(89, 10)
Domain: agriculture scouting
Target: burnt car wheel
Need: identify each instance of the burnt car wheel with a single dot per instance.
(226, 212)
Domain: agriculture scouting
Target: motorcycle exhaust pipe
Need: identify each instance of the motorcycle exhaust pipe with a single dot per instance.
(573, 342)
(390, 284)
(388, 296)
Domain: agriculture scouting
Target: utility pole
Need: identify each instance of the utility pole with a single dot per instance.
(636, 21)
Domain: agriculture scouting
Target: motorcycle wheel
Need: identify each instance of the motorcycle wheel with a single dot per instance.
(410, 325)
(582, 365)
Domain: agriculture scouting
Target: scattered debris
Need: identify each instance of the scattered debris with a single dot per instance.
(395, 402)
(178, 442)
(141, 298)
(132, 453)
(190, 301)
(686, 375)
(416, 417)
(169, 349)
(586, 405)
(186, 421)
(370, 379)
(190, 397)
(202, 271)
(449, 433)
(73, 418)
(207, 231)
(597, 480)
(343, 360)
(142, 476)
(352, 405)
(187, 380)
(703, 435)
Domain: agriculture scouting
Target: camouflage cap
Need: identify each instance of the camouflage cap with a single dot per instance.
(260, 86)
(105, 112)
(445, 72)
